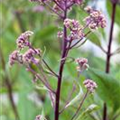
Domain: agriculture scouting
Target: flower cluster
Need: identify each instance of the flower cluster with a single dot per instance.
(23, 39)
(41, 1)
(40, 117)
(61, 4)
(15, 57)
(90, 85)
(73, 31)
(82, 64)
(60, 34)
(76, 30)
(29, 55)
(95, 19)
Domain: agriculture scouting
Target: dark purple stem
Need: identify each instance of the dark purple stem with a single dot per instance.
(64, 44)
(110, 38)
(53, 10)
(49, 68)
(79, 40)
(109, 52)
(42, 80)
(58, 5)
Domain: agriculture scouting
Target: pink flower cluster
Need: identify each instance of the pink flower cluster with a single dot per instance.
(95, 19)
(39, 117)
(15, 56)
(39, 0)
(69, 2)
(29, 55)
(23, 39)
(82, 64)
(60, 34)
(76, 30)
(61, 4)
(90, 85)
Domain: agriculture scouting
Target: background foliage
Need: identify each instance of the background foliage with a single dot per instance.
(18, 16)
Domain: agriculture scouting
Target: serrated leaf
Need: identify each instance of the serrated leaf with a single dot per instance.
(108, 88)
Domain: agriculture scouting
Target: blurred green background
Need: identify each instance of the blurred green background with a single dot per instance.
(16, 83)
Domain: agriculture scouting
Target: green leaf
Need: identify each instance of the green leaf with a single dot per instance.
(77, 98)
(43, 116)
(94, 38)
(71, 70)
(118, 75)
(47, 32)
(109, 9)
(41, 87)
(89, 110)
(108, 88)
(118, 38)
(26, 108)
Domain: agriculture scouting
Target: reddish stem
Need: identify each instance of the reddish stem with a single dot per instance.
(109, 52)
(64, 44)
(110, 39)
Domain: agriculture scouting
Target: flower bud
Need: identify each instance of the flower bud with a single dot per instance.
(82, 64)
(39, 117)
(60, 34)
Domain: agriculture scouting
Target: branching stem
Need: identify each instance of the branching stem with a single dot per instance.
(110, 39)
(109, 52)
(42, 80)
(64, 44)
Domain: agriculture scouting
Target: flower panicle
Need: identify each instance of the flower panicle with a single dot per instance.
(60, 4)
(29, 56)
(40, 117)
(15, 56)
(90, 85)
(76, 30)
(95, 19)
(23, 39)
